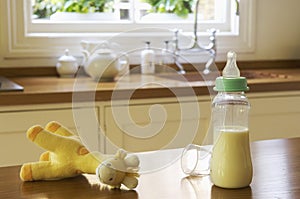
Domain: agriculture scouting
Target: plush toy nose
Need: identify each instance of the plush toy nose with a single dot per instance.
(109, 175)
(105, 173)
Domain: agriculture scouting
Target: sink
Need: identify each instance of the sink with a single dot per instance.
(194, 76)
(263, 75)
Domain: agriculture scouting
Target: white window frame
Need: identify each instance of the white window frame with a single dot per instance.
(24, 44)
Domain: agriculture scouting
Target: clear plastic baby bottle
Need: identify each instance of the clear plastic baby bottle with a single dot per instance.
(231, 165)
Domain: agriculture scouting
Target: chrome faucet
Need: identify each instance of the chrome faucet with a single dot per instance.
(196, 46)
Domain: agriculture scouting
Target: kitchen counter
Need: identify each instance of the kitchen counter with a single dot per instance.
(42, 90)
(276, 165)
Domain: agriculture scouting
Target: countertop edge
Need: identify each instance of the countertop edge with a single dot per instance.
(51, 90)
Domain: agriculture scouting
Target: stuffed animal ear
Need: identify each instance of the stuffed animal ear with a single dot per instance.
(121, 154)
(130, 182)
(132, 161)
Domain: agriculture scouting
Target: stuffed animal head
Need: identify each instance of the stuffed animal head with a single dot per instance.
(119, 170)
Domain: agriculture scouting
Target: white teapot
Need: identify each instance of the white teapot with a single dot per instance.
(101, 62)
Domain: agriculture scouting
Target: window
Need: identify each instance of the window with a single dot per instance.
(135, 11)
(38, 40)
(132, 14)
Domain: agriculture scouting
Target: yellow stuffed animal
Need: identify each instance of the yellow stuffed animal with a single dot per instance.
(66, 157)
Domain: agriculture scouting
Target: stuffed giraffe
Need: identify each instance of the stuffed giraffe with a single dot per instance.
(66, 156)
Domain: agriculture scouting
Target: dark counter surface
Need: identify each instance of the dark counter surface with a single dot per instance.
(42, 90)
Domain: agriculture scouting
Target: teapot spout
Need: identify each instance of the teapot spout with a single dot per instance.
(85, 53)
(85, 45)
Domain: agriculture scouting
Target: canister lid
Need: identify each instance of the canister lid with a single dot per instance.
(67, 57)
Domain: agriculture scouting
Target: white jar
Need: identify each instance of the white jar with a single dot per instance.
(147, 60)
(67, 65)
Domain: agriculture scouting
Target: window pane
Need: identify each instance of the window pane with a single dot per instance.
(183, 9)
(84, 9)
(137, 11)
(128, 15)
(124, 8)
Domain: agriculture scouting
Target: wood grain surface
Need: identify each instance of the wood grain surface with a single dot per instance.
(276, 175)
(45, 90)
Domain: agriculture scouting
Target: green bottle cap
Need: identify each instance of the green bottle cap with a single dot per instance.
(231, 84)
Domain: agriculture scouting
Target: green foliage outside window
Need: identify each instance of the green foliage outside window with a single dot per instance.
(180, 7)
(45, 8)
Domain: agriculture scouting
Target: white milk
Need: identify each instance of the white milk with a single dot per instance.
(231, 165)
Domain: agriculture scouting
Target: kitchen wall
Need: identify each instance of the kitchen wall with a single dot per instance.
(277, 30)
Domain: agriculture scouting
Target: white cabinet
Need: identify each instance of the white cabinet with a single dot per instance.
(15, 148)
(275, 115)
(145, 125)
(142, 124)
(159, 123)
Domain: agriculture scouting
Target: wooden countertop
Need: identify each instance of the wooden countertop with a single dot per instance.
(41, 90)
(276, 165)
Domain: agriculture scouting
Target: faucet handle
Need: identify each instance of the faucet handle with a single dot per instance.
(175, 38)
(213, 31)
(176, 31)
(212, 45)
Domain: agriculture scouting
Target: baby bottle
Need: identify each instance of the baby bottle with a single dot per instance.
(231, 165)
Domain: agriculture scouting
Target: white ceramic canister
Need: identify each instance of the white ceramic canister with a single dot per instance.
(67, 65)
(147, 60)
